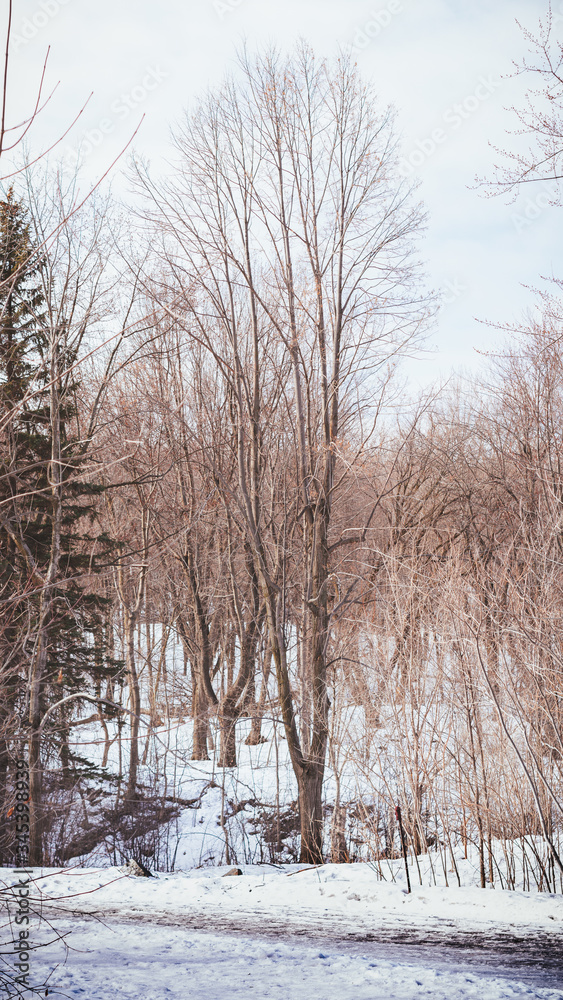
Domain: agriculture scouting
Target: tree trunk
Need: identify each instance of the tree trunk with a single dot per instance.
(134, 706)
(201, 727)
(227, 735)
(35, 769)
(338, 850)
(310, 785)
(35, 794)
(255, 737)
(417, 828)
(64, 749)
(39, 660)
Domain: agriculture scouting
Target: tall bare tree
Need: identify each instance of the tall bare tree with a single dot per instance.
(287, 244)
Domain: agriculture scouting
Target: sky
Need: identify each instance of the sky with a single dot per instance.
(445, 65)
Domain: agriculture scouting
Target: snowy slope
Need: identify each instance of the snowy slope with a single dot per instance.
(350, 895)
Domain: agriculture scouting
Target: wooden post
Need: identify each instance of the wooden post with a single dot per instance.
(403, 844)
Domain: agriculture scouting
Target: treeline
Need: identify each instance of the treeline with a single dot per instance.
(202, 428)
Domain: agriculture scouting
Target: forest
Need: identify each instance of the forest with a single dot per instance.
(228, 522)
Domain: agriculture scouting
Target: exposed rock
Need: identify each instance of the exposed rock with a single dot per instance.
(233, 871)
(137, 868)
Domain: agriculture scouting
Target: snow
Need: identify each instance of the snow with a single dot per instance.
(334, 932)
(122, 962)
(263, 784)
(178, 935)
(352, 893)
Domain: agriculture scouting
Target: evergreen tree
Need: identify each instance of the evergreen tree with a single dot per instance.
(49, 615)
(21, 342)
(21, 302)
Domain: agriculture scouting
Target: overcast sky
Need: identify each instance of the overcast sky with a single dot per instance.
(440, 62)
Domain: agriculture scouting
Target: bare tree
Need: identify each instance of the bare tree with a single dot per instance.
(288, 248)
(540, 116)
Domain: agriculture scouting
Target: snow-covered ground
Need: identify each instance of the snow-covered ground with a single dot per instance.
(116, 961)
(351, 894)
(179, 936)
(333, 932)
(231, 811)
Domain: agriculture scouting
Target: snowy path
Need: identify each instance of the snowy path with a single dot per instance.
(114, 961)
(531, 953)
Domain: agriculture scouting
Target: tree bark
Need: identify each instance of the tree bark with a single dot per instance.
(201, 725)
(130, 621)
(338, 850)
(255, 737)
(227, 734)
(310, 786)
